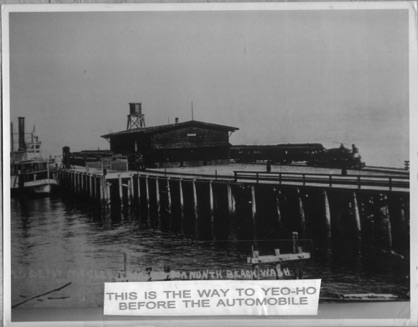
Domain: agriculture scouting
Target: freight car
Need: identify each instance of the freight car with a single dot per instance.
(313, 154)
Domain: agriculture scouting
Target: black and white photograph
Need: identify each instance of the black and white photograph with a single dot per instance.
(210, 142)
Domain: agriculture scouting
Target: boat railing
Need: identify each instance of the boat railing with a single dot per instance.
(29, 176)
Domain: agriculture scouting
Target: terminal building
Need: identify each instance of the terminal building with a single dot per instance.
(188, 143)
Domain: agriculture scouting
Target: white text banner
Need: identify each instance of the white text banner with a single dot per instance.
(204, 298)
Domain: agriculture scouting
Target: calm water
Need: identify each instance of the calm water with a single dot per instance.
(59, 240)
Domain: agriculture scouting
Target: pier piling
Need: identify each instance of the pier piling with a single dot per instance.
(231, 212)
(211, 208)
(181, 199)
(327, 215)
(196, 215)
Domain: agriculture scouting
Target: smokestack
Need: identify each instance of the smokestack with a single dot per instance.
(177, 120)
(21, 133)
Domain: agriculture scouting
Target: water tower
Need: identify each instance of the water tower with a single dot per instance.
(135, 118)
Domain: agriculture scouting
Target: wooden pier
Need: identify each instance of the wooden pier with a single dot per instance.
(372, 209)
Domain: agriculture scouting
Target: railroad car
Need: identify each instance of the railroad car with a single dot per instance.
(340, 157)
(276, 154)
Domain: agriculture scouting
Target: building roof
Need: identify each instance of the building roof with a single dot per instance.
(170, 127)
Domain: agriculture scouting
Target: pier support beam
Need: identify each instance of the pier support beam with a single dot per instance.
(101, 188)
(253, 212)
(383, 220)
(157, 196)
(327, 215)
(169, 201)
(82, 184)
(109, 201)
(147, 191)
(231, 212)
(106, 195)
(78, 183)
(85, 185)
(120, 190)
(302, 219)
(212, 210)
(95, 196)
(131, 189)
(91, 186)
(139, 189)
(278, 211)
(181, 199)
(129, 192)
(400, 225)
(356, 216)
(196, 215)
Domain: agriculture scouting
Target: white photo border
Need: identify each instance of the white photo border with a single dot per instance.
(231, 321)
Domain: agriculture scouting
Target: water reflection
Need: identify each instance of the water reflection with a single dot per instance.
(61, 239)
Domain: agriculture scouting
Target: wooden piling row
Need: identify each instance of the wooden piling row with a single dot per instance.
(367, 215)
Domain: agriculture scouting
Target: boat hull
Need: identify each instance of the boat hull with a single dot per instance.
(38, 187)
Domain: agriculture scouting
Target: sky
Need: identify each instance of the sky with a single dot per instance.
(323, 76)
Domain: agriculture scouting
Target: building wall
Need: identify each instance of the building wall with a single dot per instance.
(205, 154)
(125, 144)
(122, 145)
(191, 137)
(185, 146)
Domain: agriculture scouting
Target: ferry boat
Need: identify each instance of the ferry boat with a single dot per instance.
(29, 172)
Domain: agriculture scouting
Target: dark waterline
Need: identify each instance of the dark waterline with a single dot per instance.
(64, 239)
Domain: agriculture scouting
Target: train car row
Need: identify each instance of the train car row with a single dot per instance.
(313, 154)
(80, 158)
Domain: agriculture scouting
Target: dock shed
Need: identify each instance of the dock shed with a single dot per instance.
(188, 143)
